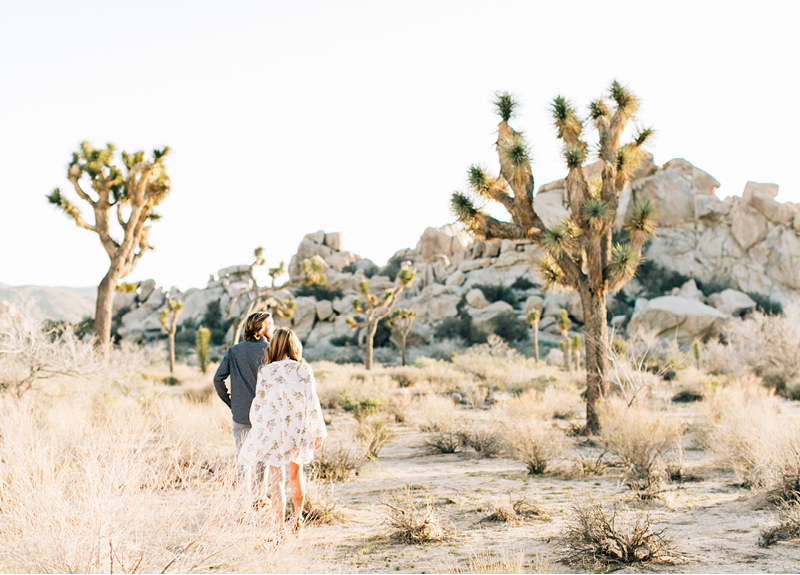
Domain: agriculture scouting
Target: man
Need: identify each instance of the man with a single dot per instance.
(241, 364)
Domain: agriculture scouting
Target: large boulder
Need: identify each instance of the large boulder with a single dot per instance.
(305, 313)
(446, 240)
(683, 318)
(732, 302)
(671, 193)
(486, 319)
(475, 298)
(762, 198)
(748, 226)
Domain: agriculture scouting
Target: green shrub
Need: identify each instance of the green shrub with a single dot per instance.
(765, 304)
(360, 408)
(344, 340)
(657, 280)
(319, 291)
(201, 346)
(510, 327)
(392, 267)
(522, 283)
(494, 293)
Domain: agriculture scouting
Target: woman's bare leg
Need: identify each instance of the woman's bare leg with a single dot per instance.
(297, 481)
(277, 493)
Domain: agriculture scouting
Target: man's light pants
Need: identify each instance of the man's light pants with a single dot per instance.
(252, 477)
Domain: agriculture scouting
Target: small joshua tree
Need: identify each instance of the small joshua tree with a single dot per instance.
(580, 252)
(201, 342)
(259, 298)
(577, 344)
(533, 318)
(563, 324)
(373, 309)
(696, 350)
(169, 319)
(130, 194)
(401, 320)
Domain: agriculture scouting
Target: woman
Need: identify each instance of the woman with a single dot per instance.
(287, 424)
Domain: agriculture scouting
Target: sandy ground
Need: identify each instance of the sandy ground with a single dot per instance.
(714, 522)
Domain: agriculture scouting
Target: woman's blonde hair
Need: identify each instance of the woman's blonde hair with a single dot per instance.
(285, 343)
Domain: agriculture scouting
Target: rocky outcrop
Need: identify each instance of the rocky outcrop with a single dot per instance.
(685, 319)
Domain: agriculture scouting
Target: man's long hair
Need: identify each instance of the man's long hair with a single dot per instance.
(254, 324)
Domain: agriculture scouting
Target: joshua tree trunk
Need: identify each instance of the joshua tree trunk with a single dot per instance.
(172, 351)
(103, 311)
(597, 350)
(536, 342)
(371, 329)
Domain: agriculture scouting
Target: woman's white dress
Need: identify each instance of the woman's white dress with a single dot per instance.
(286, 416)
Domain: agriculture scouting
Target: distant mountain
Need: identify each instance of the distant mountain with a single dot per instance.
(71, 304)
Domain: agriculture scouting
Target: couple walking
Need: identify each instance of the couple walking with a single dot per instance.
(277, 419)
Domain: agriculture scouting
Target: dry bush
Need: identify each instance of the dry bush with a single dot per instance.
(399, 406)
(787, 530)
(482, 436)
(412, 521)
(333, 379)
(431, 411)
(640, 438)
(319, 507)
(747, 429)
(534, 443)
(441, 375)
(770, 346)
(498, 365)
(515, 510)
(337, 461)
(550, 403)
(446, 438)
(598, 538)
(373, 431)
(405, 376)
(636, 369)
(506, 561)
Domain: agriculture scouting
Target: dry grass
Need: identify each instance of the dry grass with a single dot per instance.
(430, 412)
(787, 530)
(550, 403)
(515, 510)
(747, 429)
(373, 431)
(337, 461)
(412, 521)
(534, 443)
(446, 438)
(596, 538)
(481, 435)
(641, 439)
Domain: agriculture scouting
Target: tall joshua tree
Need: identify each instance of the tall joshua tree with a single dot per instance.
(533, 318)
(132, 192)
(401, 320)
(374, 309)
(169, 320)
(580, 254)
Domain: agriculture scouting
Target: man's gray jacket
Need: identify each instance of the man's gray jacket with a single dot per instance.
(241, 363)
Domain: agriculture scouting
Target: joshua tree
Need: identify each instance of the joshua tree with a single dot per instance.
(201, 341)
(533, 319)
(401, 319)
(580, 254)
(169, 319)
(132, 192)
(373, 310)
(563, 324)
(259, 298)
(577, 344)
(696, 350)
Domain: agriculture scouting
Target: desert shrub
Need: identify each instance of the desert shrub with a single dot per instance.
(765, 304)
(399, 406)
(515, 510)
(445, 438)
(373, 431)
(213, 319)
(432, 412)
(336, 461)
(550, 403)
(750, 434)
(657, 280)
(482, 436)
(453, 327)
(787, 530)
(498, 292)
(319, 291)
(443, 375)
(534, 443)
(594, 536)
(641, 439)
(392, 267)
(360, 408)
(498, 365)
(358, 383)
(511, 328)
(344, 340)
(410, 521)
(405, 376)
(522, 283)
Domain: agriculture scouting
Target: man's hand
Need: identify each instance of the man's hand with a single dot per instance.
(317, 443)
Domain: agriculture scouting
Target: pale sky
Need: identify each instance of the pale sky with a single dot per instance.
(361, 117)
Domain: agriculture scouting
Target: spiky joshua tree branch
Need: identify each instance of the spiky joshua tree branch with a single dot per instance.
(579, 249)
(373, 309)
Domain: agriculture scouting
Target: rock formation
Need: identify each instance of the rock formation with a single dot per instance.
(744, 245)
